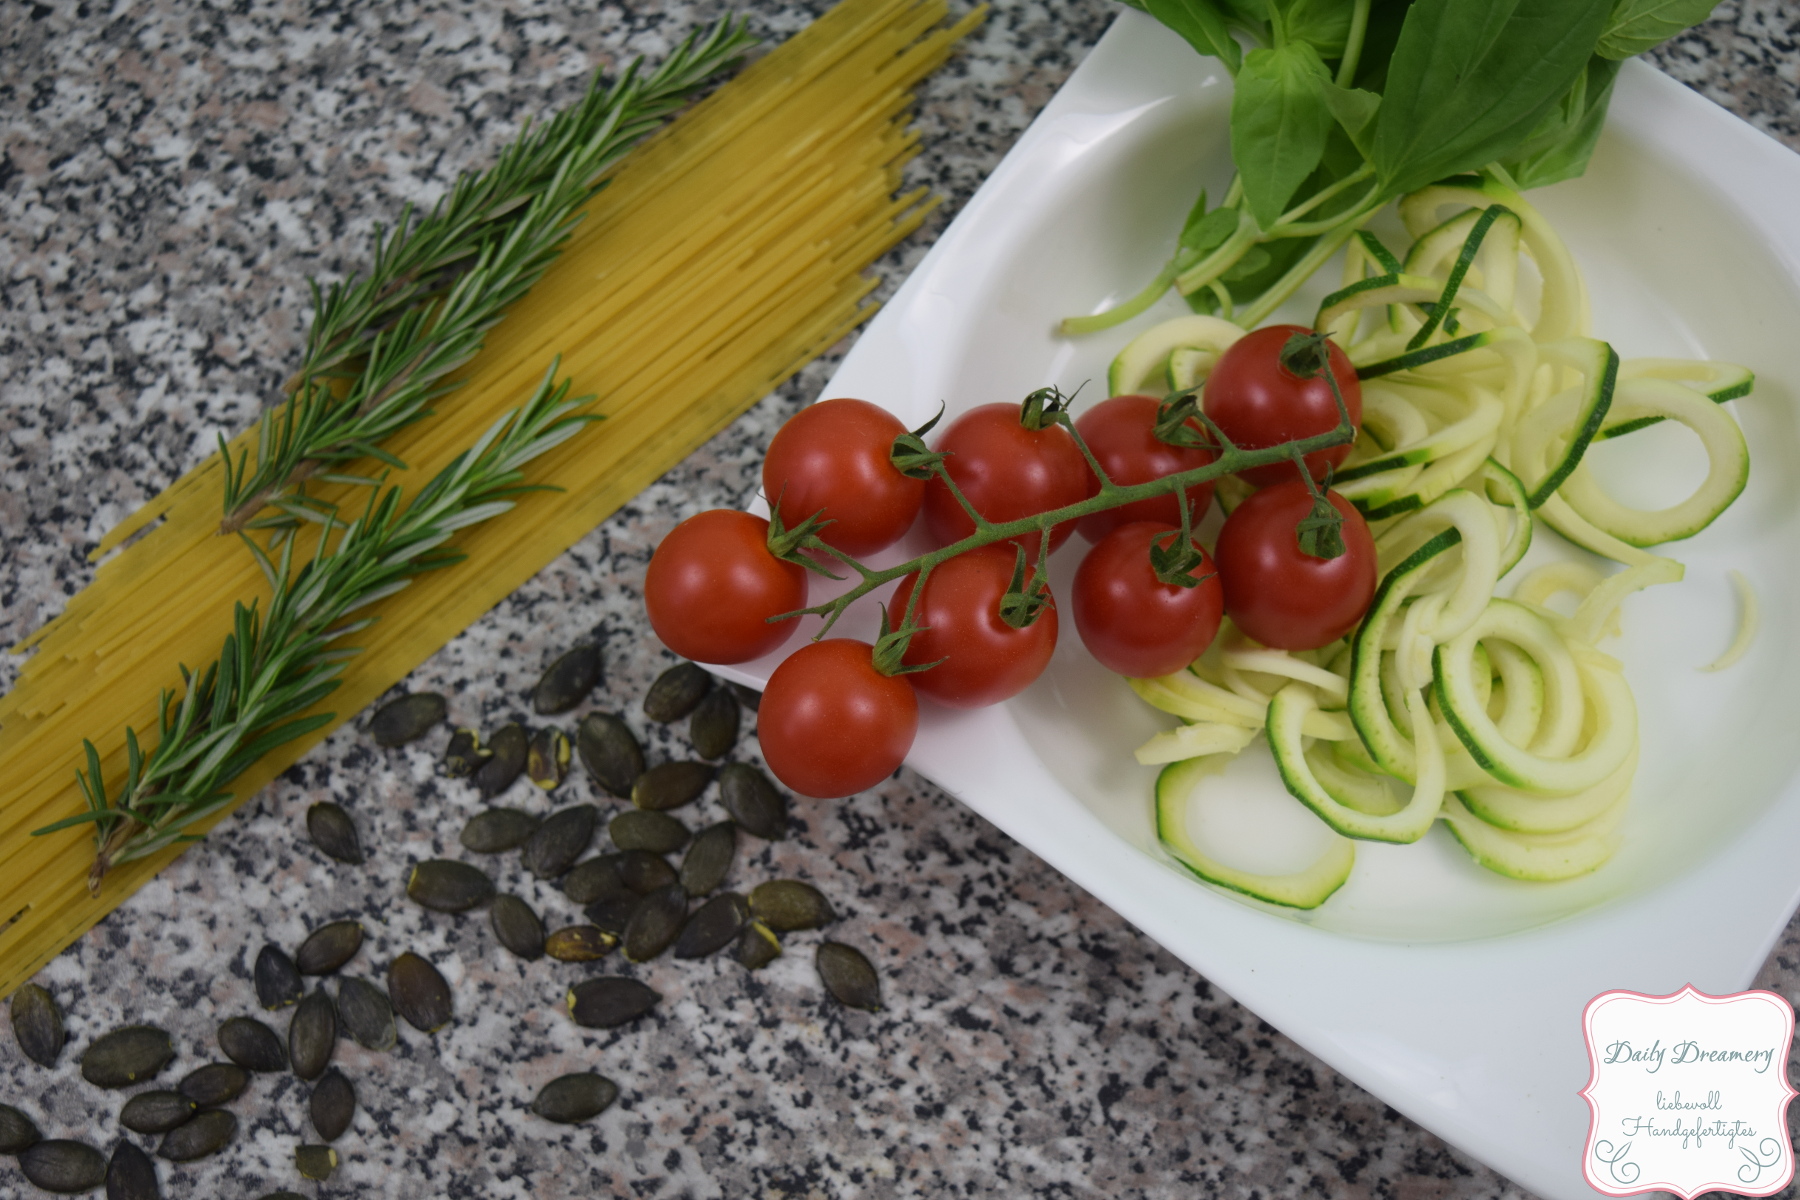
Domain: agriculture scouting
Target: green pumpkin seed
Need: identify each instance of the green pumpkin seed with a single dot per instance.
(315, 1162)
(465, 754)
(126, 1056)
(563, 838)
(580, 943)
(365, 1015)
(594, 879)
(713, 729)
(757, 946)
(642, 871)
(567, 681)
(333, 832)
(205, 1134)
(749, 697)
(131, 1175)
(278, 982)
(406, 718)
(575, 1098)
(708, 860)
(252, 1045)
(671, 785)
(419, 993)
(157, 1112)
(848, 976)
(17, 1131)
(214, 1084)
(333, 1105)
(656, 923)
(508, 749)
(517, 927)
(715, 925)
(610, 1000)
(38, 1024)
(59, 1165)
(785, 905)
(547, 762)
(613, 915)
(312, 1034)
(445, 885)
(610, 752)
(493, 830)
(329, 947)
(753, 801)
(639, 829)
(676, 692)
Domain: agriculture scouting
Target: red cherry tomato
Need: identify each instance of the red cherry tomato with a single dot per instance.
(1121, 433)
(712, 585)
(1007, 472)
(834, 456)
(830, 724)
(1258, 402)
(1133, 622)
(985, 660)
(1281, 596)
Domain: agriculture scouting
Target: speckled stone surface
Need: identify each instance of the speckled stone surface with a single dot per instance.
(170, 172)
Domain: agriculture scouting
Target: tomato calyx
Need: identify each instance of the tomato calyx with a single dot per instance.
(911, 456)
(1320, 532)
(889, 657)
(1023, 603)
(1308, 356)
(1044, 407)
(789, 545)
(1173, 562)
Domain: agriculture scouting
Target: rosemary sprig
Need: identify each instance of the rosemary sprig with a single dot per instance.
(278, 662)
(382, 346)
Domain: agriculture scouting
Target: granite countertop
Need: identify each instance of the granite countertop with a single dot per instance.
(170, 173)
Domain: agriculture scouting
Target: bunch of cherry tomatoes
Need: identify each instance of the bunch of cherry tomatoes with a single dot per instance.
(833, 723)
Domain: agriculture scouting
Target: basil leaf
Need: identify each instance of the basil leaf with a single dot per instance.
(1354, 110)
(1637, 25)
(1468, 80)
(1279, 123)
(1323, 23)
(1559, 148)
(1202, 25)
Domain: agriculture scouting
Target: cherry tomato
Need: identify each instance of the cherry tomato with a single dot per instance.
(830, 724)
(1007, 472)
(1280, 595)
(1258, 402)
(834, 456)
(1121, 434)
(1133, 622)
(712, 585)
(985, 660)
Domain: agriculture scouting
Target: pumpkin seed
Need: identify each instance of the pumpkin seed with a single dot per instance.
(278, 982)
(493, 830)
(214, 1084)
(17, 1131)
(610, 1000)
(517, 927)
(671, 785)
(59, 1165)
(445, 885)
(656, 923)
(713, 729)
(642, 871)
(547, 762)
(464, 754)
(131, 1175)
(157, 1112)
(333, 1105)
(676, 692)
(567, 681)
(848, 976)
(315, 1162)
(749, 697)
(572, 1099)
(563, 837)
(333, 832)
(329, 947)
(639, 829)
(126, 1056)
(579, 943)
(365, 1014)
(613, 915)
(714, 926)
(610, 752)
(757, 946)
(406, 718)
(753, 801)
(594, 879)
(312, 1034)
(785, 905)
(38, 1024)
(206, 1134)
(419, 993)
(508, 749)
(252, 1045)
(708, 860)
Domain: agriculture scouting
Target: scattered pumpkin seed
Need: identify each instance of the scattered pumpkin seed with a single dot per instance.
(567, 681)
(580, 943)
(547, 762)
(419, 993)
(508, 749)
(465, 754)
(753, 801)
(365, 1015)
(715, 925)
(493, 830)
(785, 905)
(610, 1000)
(329, 947)
(333, 1105)
(126, 1056)
(656, 923)
(214, 1084)
(708, 860)
(445, 885)
(676, 692)
(571, 1099)
(333, 832)
(517, 927)
(278, 982)
(315, 1162)
(640, 829)
(60, 1165)
(252, 1045)
(312, 1034)
(848, 976)
(610, 752)
(642, 871)
(131, 1175)
(613, 915)
(157, 1112)
(38, 1024)
(749, 697)
(671, 785)
(713, 729)
(757, 946)
(206, 1134)
(563, 838)
(17, 1131)
(594, 879)
(406, 718)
